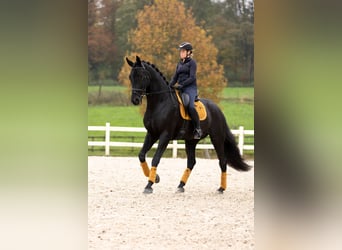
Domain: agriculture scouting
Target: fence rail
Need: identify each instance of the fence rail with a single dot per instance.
(174, 145)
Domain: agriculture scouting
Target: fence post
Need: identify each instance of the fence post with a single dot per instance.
(107, 138)
(241, 139)
(174, 149)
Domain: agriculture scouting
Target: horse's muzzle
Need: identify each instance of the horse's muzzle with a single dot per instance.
(136, 99)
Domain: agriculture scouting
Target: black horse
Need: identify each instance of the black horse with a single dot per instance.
(163, 122)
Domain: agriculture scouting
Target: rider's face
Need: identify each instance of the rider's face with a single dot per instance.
(182, 53)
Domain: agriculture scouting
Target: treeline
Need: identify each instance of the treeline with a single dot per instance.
(228, 25)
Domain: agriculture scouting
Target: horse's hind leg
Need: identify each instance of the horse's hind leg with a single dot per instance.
(148, 143)
(223, 186)
(218, 143)
(190, 147)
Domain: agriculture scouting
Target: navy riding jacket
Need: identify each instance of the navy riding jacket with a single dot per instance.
(185, 75)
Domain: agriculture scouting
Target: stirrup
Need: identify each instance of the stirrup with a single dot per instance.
(197, 133)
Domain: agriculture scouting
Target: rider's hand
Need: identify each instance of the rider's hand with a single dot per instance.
(178, 86)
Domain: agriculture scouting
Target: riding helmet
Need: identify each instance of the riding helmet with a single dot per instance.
(186, 46)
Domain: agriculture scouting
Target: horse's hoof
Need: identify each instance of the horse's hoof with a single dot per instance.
(148, 191)
(180, 190)
(157, 179)
(220, 190)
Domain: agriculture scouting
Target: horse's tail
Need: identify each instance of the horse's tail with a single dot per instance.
(232, 153)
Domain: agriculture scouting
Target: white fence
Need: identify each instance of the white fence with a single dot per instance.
(174, 145)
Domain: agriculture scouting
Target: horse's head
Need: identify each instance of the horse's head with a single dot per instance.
(140, 80)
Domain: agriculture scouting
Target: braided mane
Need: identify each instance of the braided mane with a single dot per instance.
(157, 70)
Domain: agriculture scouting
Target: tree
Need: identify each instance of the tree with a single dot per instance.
(233, 32)
(160, 28)
(101, 46)
(125, 21)
(203, 10)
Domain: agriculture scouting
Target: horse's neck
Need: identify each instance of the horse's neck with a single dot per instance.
(157, 87)
(159, 95)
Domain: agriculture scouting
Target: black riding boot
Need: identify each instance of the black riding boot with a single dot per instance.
(195, 120)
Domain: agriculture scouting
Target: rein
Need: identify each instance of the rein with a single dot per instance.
(152, 93)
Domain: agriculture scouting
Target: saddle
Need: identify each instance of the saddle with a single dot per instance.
(199, 106)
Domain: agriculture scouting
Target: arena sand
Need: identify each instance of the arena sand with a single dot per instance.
(120, 216)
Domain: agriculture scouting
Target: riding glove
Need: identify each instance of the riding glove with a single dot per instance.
(179, 87)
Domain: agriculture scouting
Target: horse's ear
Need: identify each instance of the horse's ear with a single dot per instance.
(130, 63)
(138, 60)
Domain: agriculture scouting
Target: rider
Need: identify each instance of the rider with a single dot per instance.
(185, 75)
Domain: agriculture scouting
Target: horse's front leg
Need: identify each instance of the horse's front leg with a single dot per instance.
(153, 177)
(148, 143)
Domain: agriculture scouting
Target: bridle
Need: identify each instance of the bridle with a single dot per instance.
(146, 78)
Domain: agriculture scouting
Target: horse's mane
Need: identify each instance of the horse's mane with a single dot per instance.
(157, 70)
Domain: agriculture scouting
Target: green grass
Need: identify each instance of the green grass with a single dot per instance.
(124, 116)
(238, 93)
(237, 105)
(238, 114)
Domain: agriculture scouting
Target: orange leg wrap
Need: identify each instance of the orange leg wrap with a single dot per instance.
(153, 174)
(145, 168)
(186, 175)
(224, 180)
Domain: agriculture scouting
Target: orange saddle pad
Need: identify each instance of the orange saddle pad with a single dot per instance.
(199, 106)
